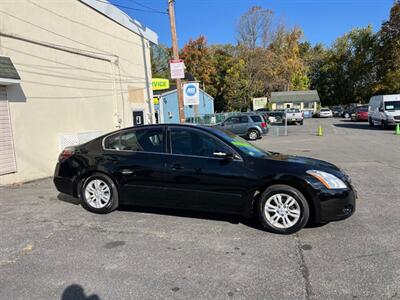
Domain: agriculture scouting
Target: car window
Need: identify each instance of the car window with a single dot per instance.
(256, 119)
(146, 140)
(243, 119)
(232, 120)
(193, 142)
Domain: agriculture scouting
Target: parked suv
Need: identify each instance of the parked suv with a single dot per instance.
(249, 125)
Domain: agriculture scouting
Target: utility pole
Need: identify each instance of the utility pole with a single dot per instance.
(175, 50)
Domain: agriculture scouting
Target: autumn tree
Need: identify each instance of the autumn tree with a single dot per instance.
(198, 60)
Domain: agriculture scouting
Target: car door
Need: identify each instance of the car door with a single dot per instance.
(229, 124)
(198, 178)
(241, 127)
(137, 158)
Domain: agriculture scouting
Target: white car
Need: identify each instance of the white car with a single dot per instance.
(384, 110)
(325, 113)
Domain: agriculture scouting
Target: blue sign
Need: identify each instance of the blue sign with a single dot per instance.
(191, 90)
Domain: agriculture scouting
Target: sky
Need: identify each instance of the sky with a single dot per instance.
(322, 21)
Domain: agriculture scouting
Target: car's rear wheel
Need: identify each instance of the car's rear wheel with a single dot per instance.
(253, 134)
(283, 209)
(99, 194)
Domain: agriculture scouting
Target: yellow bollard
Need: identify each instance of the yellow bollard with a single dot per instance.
(397, 131)
(320, 131)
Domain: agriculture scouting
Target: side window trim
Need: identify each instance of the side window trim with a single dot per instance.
(169, 128)
(119, 133)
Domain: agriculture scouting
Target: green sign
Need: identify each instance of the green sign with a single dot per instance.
(160, 84)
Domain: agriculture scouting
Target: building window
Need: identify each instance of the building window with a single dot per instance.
(7, 154)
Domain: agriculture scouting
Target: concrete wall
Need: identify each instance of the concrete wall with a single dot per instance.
(80, 72)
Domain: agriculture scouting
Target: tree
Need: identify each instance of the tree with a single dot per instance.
(388, 56)
(160, 56)
(198, 60)
(253, 29)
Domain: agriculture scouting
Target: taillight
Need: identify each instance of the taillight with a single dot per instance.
(66, 153)
(263, 124)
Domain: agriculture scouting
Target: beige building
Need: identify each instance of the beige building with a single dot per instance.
(69, 71)
(307, 101)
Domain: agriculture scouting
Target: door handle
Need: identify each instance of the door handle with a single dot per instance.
(177, 167)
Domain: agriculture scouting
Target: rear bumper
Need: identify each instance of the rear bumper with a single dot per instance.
(63, 184)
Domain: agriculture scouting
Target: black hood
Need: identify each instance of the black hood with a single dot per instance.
(307, 163)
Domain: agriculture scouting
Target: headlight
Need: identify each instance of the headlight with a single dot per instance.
(327, 179)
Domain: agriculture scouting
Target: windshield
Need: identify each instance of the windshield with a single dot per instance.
(324, 109)
(243, 145)
(392, 105)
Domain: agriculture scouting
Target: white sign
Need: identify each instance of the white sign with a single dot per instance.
(259, 103)
(191, 93)
(177, 68)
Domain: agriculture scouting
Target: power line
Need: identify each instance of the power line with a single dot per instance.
(135, 9)
(145, 6)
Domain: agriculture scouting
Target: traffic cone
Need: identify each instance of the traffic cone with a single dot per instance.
(320, 131)
(397, 131)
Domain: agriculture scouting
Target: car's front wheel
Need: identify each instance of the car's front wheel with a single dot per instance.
(283, 209)
(99, 194)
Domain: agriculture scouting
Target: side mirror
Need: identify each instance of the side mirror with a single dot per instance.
(223, 155)
(381, 109)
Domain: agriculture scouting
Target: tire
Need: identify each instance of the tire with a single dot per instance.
(299, 208)
(347, 115)
(370, 122)
(99, 194)
(253, 135)
(301, 122)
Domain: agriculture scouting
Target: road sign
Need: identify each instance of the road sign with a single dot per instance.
(191, 93)
(177, 68)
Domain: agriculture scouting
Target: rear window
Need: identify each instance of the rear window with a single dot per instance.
(363, 109)
(324, 109)
(146, 140)
(256, 119)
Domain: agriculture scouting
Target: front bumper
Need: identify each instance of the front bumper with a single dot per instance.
(336, 204)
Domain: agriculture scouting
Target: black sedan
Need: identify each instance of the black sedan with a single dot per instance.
(207, 169)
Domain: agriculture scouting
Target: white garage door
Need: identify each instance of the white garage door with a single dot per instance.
(7, 154)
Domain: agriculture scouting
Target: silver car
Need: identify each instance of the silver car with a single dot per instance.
(251, 126)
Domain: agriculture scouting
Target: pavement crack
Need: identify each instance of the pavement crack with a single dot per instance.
(305, 272)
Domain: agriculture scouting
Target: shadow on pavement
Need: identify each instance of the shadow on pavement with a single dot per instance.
(68, 199)
(354, 125)
(76, 292)
(251, 222)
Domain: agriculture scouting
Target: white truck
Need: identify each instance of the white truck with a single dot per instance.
(294, 115)
(384, 110)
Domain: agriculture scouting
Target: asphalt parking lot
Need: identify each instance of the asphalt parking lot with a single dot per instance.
(50, 248)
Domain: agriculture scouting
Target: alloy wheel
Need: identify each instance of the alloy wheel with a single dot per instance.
(97, 193)
(253, 135)
(282, 211)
